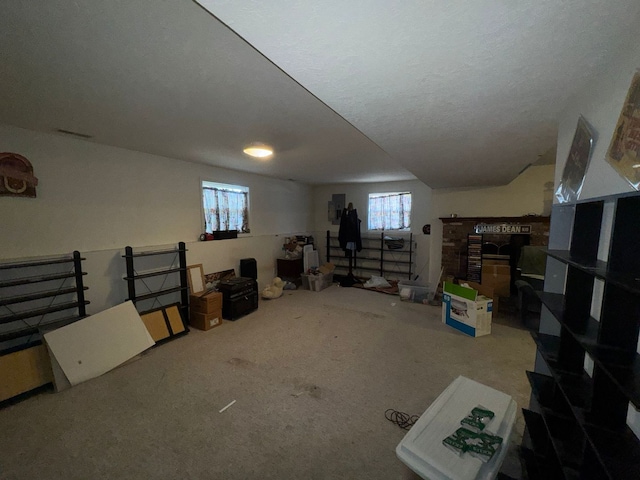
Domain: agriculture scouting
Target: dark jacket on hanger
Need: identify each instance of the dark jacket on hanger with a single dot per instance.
(349, 229)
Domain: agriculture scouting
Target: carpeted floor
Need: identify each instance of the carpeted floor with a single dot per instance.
(312, 374)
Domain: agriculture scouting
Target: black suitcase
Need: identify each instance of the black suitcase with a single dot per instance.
(239, 297)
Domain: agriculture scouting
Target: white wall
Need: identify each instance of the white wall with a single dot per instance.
(99, 199)
(600, 104)
(358, 194)
(529, 193)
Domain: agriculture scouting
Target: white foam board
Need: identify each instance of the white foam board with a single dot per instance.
(60, 380)
(96, 344)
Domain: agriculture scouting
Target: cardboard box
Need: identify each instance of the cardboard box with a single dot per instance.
(466, 310)
(497, 277)
(496, 270)
(205, 321)
(326, 268)
(487, 292)
(209, 303)
(494, 261)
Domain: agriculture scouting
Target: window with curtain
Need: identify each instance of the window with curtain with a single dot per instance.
(226, 207)
(390, 211)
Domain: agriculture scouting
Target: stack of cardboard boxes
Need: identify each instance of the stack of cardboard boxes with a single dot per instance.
(205, 310)
(497, 275)
(205, 307)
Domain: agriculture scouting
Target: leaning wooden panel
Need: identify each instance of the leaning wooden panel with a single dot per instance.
(155, 323)
(175, 320)
(23, 371)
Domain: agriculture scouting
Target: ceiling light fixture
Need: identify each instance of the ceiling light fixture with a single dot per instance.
(259, 150)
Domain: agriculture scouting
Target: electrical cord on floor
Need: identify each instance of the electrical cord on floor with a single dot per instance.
(403, 420)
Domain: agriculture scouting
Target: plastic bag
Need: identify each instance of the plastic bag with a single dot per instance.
(374, 282)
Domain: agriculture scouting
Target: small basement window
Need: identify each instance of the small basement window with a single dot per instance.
(226, 207)
(390, 211)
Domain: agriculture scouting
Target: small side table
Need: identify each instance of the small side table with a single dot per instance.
(290, 268)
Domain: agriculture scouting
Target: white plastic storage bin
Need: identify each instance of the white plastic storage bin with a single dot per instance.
(422, 450)
(413, 291)
(320, 282)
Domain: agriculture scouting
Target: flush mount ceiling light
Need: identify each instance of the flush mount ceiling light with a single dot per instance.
(259, 150)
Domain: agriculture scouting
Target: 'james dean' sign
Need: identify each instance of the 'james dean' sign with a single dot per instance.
(502, 228)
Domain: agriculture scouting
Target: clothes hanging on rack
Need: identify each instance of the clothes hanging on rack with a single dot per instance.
(350, 241)
(349, 233)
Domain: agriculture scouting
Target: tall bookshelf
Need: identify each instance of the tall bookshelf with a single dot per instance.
(474, 257)
(586, 386)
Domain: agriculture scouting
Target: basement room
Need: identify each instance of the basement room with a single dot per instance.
(335, 240)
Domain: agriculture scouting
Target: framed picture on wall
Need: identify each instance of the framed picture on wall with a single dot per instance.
(577, 162)
(623, 153)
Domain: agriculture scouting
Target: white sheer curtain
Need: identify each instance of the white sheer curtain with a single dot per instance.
(225, 209)
(390, 211)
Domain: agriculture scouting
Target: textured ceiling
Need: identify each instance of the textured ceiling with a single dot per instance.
(457, 93)
(165, 77)
(461, 93)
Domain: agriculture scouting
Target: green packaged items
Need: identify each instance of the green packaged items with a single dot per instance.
(484, 446)
(457, 441)
(480, 445)
(478, 419)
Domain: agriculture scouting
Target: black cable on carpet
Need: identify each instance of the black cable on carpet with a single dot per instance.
(403, 420)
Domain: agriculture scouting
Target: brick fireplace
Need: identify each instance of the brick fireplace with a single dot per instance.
(455, 231)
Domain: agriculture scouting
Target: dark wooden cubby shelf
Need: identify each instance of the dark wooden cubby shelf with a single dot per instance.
(577, 423)
(536, 465)
(599, 269)
(622, 366)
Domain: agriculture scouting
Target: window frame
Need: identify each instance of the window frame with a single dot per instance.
(388, 194)
(204, 184)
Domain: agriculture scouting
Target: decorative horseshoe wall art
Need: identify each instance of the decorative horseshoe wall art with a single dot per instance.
(16, 176)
